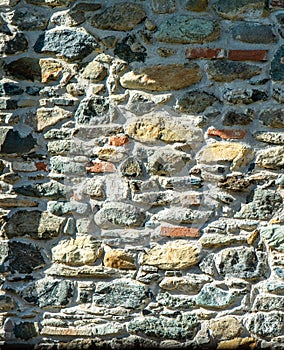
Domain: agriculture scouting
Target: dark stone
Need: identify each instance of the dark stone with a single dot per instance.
(86, 7)
(233, 9)
(48, 293)
(254, 33)
(51, 190)
(235, 183)
(244, 96)
(196, 5)
(17, 44)
(4, 28)
(8, 104)
(195, 101)
(68, 43)
(25, 330)
(124, 50)
(93, 110)
(12, 142)
(26, 68)
(131, 167)
(237, 118)
(33, 90)
(10, 89)
(273, 118)
(277, 66)
(23, 19)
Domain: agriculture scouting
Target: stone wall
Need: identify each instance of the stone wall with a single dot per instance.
(142, 153)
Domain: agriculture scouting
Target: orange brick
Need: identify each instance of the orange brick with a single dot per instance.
(227, 134)
(247, 55)
(180, 231)
(205, 53)
(41, 166)
(118, 140)
(101, 167)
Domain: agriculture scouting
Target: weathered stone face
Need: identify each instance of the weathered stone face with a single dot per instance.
(254, 33)
(195, 102)
(233, 10)
(227, 327)
(12, 142)
(273, 235)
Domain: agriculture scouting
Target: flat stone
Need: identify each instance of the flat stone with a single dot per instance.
(180, 215)
(227, 71)
(123, 17)
(119, 259)
(187, 30)
(235, 183)
(68, 18)
(182, 327)
(236, 118)
(273, 118)
(190, 284)
(237, 153)
(268, 303)
(67, 167)
(66, 43)
(23, 19)
(213, 297)
(48, 292)
(51, 190)
(215, 241)
(277, 69)
(254, 33)
(238, 343)
(240, 9)
(227, 327)
(84, 250)
(266, 324)
(195, 102)
(25, 68)
(12, 142)
(196, 5)
(174, 255)
(271, 158)
(162, 77)
(13, 201)
(140, 102)
(244, 96)
(94, 72)
(124, 293)
(276, 138)
(35, 224)
(274, 236)
(115, 214)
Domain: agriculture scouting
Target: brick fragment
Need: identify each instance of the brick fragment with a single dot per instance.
(227, 134)
(276, 3)
(247, 55)
(101, 167)
(41, 166)
(205, 53)
(180, 231)
(118, 140)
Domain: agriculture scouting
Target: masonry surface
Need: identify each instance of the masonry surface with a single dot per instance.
(141, 174)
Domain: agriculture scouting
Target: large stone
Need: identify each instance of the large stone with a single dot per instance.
(273, 118)
(66, 43)
(25, 68)
(190, 284)
(124, 292)
(237, 118)
(23, 19)
(115, 215)
(274, 236)
(254, 33)
(12, 142)
(187, 30)
(174, 255)
(227, 327)
(140, 102)
(162, 77)
(123, 16)
(227, 71)
(195, 102)
(151, 129)
(220, 240)
(76, 252)
(213, 297)
(231, 9)
(46, 117)
(6, 302)
(48, 292)
(268, 303)
(182, 327)
(237, 153)
(270, 137)
(271, 158)
(277, 69)
(238, 343)
(129, 49)
(35, 224)
(266, 324)
(8, 88)
(51, 190)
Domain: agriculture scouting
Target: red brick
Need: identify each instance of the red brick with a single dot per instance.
(180, 231)
(101, 167)
(41, 166)
(202, 52)
(276, 3)
(227, 134)
(247, 55)
(118, 140)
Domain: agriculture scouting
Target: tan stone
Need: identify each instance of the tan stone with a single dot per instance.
(76, 252)
(70, 331)
(220, 240)
(46, 117)
(238, 343)
(224, 328)
(162, 78)
(50, 69)
(271, 158)
(186, 284)
(94, 72)
(237, 153)
(117, 258)
(174, 255)
(12, 201)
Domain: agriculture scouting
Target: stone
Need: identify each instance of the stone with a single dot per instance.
(265, 324)
(227, 133)
(277, 70)
(124, 293)
(116, 214)
(10, 89)
(195, 102)
(119, 259)
(50, 70)
(276, 138)
(180, 215)
(129, 49)
(51, 3)
(12, 201)
(227, 71)
(84, 250)
(237, 153)
(273, 236)
(94, 72)
(238, 343)
(6, 302)
(123, 16)
(236, 118)
(66, 43)
(278, 93)
(268, 303)
(166, 163)
(196, 5)
(220, 240)
(271, 158)
(276, 287)
(263, 205)
(162, 77)
(159, 6)
(48, 292)
(68, 18)
(244, 263)
(25, 68)
(189, 284)
(235, 183)
(63, 208)
(16, 44)
(273, 118)
(67, 167)
(238, 10)
(254, 33)
(131, 167)
(12, 142)
(213, 297)
(51, 190)
(93, 110)
(227, 327)
(24, 21)
(8, 103)
(181, 29)
(140, 102)
(118, 140)
(244, 96)
(181, 327)
(25, 330)
(174, 255)
(35, 224)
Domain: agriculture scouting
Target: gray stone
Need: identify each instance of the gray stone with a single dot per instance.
(93, 110)
(11, 142)
(51, 3)
(227, 71)
(140, 102)
(195, 102)
(66, 166)
(63, 208)
(123, 16)
(277, 69)
(166, 163)
(236, 118)
(48, 292)
(273, 118)
(25, 330)
(115, 214)
(182, 327)
(129, 49)
(263, 205)
(254, 33)
(124, 293)
(213, 297)
(276, 138)
(18, 43)
(244, 96)
(175, 301)
(276, 287)
(179, 215)
(10, 89)
(230, 9)
(268, 303)
(278, 93)
(29, 18)
(207, 265)
(26, 68)
(160, 6)
(51, 190)
(131, 167)
(6, 103)
(187, 30)
(274, 236)
(266, 324)
(67, 43)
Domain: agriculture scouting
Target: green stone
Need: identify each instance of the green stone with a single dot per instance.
(212, 297)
